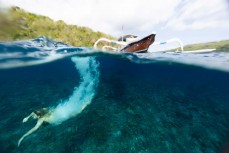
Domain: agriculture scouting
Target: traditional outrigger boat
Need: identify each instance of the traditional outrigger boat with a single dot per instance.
(132, 44)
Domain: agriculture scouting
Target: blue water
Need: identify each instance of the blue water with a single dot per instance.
(148, 103)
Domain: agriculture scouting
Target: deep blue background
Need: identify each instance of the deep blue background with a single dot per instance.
(160, 107)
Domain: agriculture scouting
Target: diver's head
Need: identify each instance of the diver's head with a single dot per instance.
(41, 112)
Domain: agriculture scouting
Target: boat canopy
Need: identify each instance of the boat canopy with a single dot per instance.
(124, 37)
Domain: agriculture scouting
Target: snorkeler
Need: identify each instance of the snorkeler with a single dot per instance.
(42, 116)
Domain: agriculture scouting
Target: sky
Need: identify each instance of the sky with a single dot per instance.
(193, 21)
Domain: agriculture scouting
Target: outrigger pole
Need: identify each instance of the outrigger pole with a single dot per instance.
(170, 41)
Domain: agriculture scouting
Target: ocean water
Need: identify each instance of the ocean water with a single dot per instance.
(112, 103)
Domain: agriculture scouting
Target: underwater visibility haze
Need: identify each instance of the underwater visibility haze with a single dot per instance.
(112, 102)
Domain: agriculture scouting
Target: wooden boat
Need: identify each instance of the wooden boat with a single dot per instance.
(132, 44)
(127, 43)
(139, 46)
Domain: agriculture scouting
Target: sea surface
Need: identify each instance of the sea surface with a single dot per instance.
(112, 102)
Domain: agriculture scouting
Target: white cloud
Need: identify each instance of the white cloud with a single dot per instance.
(197, 15)
(103, 15)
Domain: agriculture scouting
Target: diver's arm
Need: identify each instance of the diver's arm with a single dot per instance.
(26, 118)
(39, 123)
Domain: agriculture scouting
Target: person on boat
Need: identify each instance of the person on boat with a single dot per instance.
(42, 116)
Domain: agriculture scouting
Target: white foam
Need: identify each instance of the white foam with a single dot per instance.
(83, 94)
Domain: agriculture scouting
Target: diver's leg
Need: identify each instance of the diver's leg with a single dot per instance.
(39, 123)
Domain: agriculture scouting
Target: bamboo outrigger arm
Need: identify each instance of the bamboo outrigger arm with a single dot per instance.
(109, 41)
(170, 41)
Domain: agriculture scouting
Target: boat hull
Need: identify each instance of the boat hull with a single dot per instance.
(139, 46)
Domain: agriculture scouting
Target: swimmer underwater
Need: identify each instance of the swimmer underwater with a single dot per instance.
(42, 116)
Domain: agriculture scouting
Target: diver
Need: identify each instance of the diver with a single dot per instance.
(42, 116)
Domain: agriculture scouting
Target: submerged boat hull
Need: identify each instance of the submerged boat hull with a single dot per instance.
(139, 46)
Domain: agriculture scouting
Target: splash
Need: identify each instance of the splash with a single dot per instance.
(83, 94)
(37, 51)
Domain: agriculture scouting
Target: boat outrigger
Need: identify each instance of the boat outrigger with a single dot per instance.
(132, 44)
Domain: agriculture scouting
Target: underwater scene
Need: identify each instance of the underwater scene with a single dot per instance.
(111, 102)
